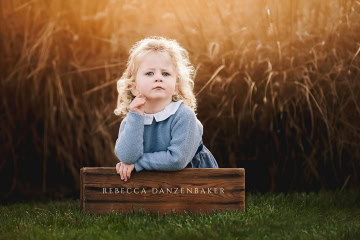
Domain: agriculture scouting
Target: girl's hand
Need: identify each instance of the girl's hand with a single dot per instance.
(138, 104)
(124, 170)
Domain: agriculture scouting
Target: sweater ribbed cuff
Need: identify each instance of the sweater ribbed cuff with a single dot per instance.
(134, 116)
(138, 168)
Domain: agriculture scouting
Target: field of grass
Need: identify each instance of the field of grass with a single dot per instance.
(325, 215)
(277, 84)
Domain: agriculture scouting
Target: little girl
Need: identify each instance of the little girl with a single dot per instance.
(160, 130)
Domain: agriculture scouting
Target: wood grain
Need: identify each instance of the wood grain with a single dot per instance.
(198, 190)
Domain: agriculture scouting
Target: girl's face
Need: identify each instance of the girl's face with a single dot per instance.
(156, 77)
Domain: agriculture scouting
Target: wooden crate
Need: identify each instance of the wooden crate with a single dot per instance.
(198, 190)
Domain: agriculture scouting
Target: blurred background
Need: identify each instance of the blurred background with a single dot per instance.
(277, 84)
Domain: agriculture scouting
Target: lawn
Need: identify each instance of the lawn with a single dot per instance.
(324, 215)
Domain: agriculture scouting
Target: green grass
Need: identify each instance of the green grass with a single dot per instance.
(326, 215)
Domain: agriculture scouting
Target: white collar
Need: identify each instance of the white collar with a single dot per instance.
(164, 114)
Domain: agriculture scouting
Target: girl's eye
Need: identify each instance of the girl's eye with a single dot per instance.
(167, 74)
(151, 73)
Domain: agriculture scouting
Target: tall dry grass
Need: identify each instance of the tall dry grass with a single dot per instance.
(277, 84)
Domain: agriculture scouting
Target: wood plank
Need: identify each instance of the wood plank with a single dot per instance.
(192, 189)
(81, 189)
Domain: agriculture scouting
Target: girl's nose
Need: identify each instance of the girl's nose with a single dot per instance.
(158, 77)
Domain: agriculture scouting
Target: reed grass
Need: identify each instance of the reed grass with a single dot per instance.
(277, 83)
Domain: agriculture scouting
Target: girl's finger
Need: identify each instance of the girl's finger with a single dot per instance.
(128, 173)
(142, 97)
(124, 174)
(139, 103)
(121, 171)
(117, 167)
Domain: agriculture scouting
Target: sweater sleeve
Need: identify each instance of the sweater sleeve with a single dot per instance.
(186, 137)
(129, 145)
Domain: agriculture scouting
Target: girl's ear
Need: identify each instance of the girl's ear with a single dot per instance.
(134, 91)
(176, 92)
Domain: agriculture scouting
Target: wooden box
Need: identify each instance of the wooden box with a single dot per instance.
(197, 190)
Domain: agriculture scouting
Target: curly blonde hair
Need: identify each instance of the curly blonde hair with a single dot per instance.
(180, 59)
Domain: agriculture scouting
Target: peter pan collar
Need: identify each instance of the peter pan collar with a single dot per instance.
(164, 114)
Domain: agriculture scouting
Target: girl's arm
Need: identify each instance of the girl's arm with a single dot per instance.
(129, 144)
(186, 136)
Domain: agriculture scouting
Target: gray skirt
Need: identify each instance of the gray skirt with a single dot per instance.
(203, 159)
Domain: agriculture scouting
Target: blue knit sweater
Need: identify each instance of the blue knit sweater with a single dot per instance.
(167, 142)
